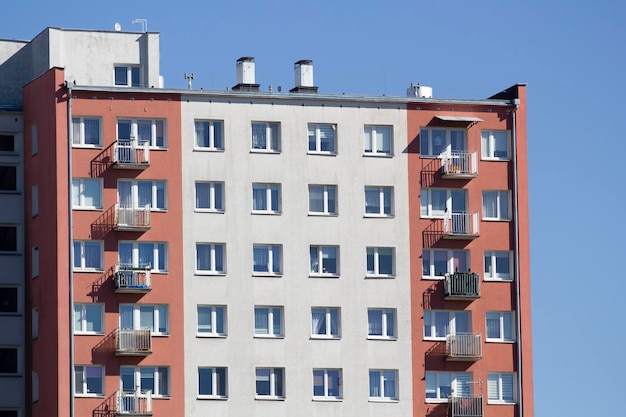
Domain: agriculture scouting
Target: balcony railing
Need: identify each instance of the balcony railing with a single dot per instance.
(132, 218)
(130, 155)
(130, 342)
(464, 347)
(138, 403)
(462, 286)
(462, 225)
(132, 279)
(469, 406)
(459, 164)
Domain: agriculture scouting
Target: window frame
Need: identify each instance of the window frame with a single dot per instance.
(134, 193)
(130, 82)
(212, 195)
(153, 141)
(454, 381)
(326, 211)
(319, 272)
(373, 141)
(80, 142)
(12, 298)
(85, 384)
(499, 200)
(214, 144)
(18, 238)
(376, 272)
(426, 202)
(450, 262)
(268, 200)
(499, 387)
(78, 201)
(326, 386)
(214, 254)
(215, 321)
(273, 252)
(156, 254)
(448, 140)
(83, 265)
(276, 384)
(387, 332)
(11, 181)
(317, 136)
(328, 323)
(86, 319)
(215, 386)
(11, 148)
(488, 145)
(502, 319)
(431, 324)
(381, 201)
(157, 311)
(271, 325)
(492, 255)
(272, 144)
(18, 360)
(381, 385)
(157, 377)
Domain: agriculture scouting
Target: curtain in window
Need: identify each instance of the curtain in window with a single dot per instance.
(91, 193)
(144, 193)
(261, 321)
(92, 131)
(459, 259)
(261, 258)
(316, 199)
(375, 322)
(389, 380)
(146, 378)
(387, 200)
(500, 145)
(204, 320)
(370, 261)
(274, 136)
(327, 138)
(258, 136)
(203, 195)
(440, 262)
(160, 194)
(146, 317)
(79, 380)
(463, 387)
(126, 317)
(203, 257)
(333, 383)
(375, 384)
(259, 198)
(144, 131)
(334, 322)
(93, 376)
(220, 381)
(217, 135)
(431, 385)
(93, 317)
(490, 204)
(146, 255)
(439, 141)
(276, 259)
(127, 375)
(160, 133)
(314, 259)
(92, 255)
(125, 195)
(263, 382)
(445, 384)
(458, 201)
(442, 323)
(123, 130)
(274, 195)
(492, 387)
(125, 252)
(383, 139)
(276, 319)
(202, 134)
(329, 260)
(78, 317)
(76, 131)
(493, 325)
(507, 387)
(462, 322)
(391, 325)
(457, 140)
(367, 139)
(372, 200)
(312, 138)
(318, 320)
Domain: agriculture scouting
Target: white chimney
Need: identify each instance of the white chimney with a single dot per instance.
(245, 70)
(303, 71)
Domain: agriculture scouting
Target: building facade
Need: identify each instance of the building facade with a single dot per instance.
(245, 252)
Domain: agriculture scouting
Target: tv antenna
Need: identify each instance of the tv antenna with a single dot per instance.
(189, 77)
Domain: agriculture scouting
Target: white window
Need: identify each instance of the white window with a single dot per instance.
(9, 239)
(435, 141)
(383, 384)
(267, 259)
(496, 205)
(325, 323)
(322, 138)
(495, 144)
(128, 75)
(380, 261)
(323, 199)
(442, 385)
(88, 255)
(139, 194)
(436, 263)
(265, 137)
(209, 196)
(268, 321)
(381, 323)
(150, 131)
(86, 131)
(266, 198)
(89, 380)
(8, 178)
(270, 383)
(34, 203)
(500, 326)
(86, 193)
(155, 379)
(209, 135)
(88, 318)
(439, 323)
(10, 361)
(211, 321)
(212, 383)
(498, 265)
(436, 202)
(378, 201)
(9, 300)
(144, 316)
(210, 258)
(327, 383)
(151, 255)
(324, 260)
(501, 388)
(377, 140)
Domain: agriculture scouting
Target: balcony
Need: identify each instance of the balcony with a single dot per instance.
(459, 165)
(138, 403)
(130, 155)
(464, 347)
(460, 226)
(132, 218)
(468, 406)
(130, 342)
(129, 279)
(462, 286)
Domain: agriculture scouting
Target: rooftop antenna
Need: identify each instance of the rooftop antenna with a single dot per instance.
(143, 23)
(189, 77)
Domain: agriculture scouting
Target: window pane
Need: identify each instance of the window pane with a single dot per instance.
(92, 131)
(372, 200)
(263, 382)
(204, 320)
(424, 148)
(146, 255)
(220, 376)
(385, 261)
(318, 320)
(205, 381)
(316, 199)
(502, 264)
(327, 138)
(507, 321)
(261, 320)
(500, 145)
(202, 134)
(438, 138)
(93, 313)
(367, 139)
(490, 204)
(203, 195)
(375, 322)
(259, 140)
(440, 262)
(121, 76)
(219, 313)
(134, 74)
(331, 199)
(261, 258)
(493, 325)
(383, 139)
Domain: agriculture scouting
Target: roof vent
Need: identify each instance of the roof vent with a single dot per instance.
(303, 71)
(245, 75)
(419, 91)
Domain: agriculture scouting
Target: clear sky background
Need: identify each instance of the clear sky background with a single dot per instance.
(571, 53)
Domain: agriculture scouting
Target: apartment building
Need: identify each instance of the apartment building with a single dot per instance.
(249, 251)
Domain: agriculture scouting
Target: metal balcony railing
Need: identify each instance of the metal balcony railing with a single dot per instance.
(464, 347)
(131, 342)
(462, 286)
(468, 406)
(459, 164)
(461, 225)
(138, 403)
(132, 218)
(131, 155)
(132, 279)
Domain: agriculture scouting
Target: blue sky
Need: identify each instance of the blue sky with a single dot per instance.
(571, 54)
